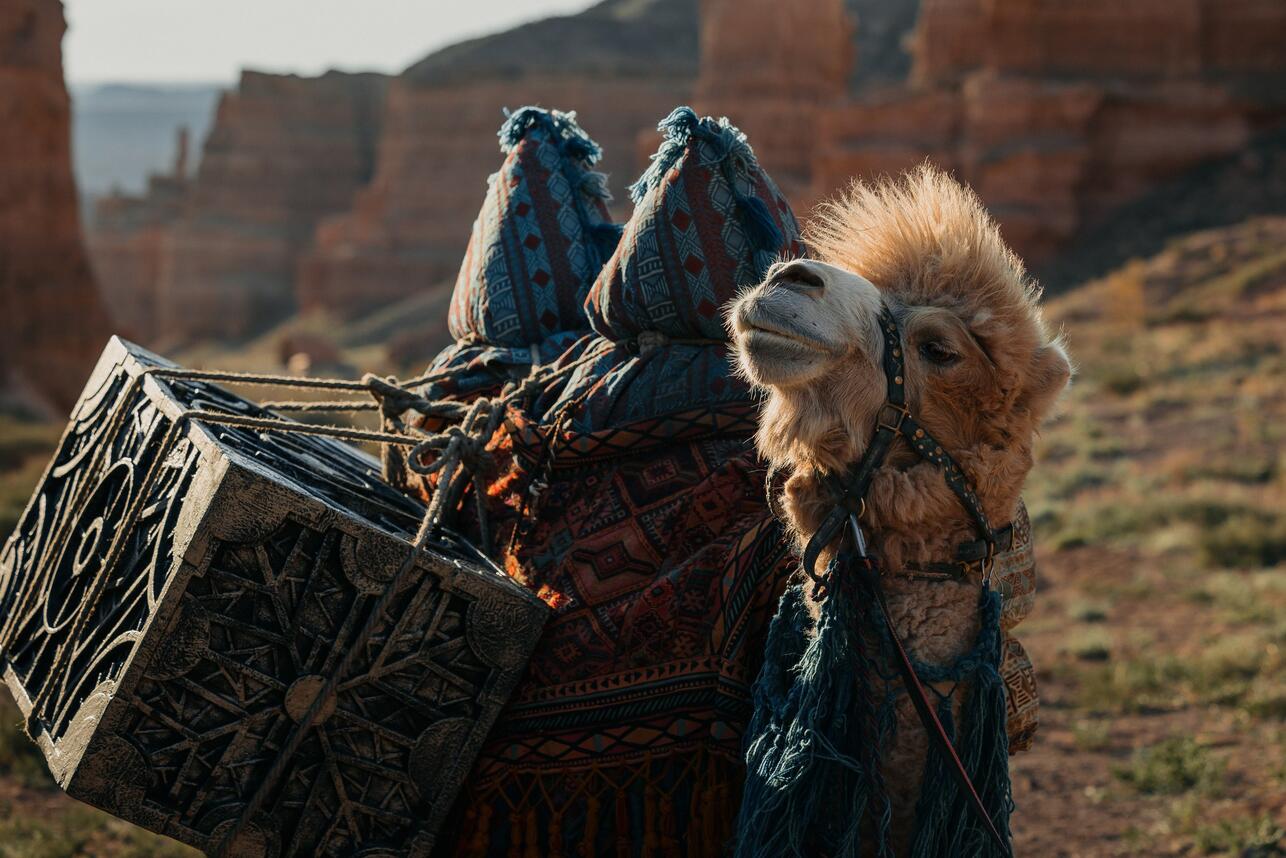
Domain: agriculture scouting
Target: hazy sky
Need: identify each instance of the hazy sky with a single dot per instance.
(211, 40)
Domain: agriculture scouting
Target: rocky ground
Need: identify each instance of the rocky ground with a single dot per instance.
(1161, 520)
(1159, 634)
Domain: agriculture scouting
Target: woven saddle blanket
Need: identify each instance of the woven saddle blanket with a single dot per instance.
(628, 494)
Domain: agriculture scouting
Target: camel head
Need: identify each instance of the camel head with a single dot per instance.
(981, 368)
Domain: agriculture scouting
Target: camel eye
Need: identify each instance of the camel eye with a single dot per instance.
(935, 352)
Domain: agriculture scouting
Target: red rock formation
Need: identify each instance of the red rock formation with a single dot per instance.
(1059, 112)
(772, 67)
(52, 324)
(128, 243)
(284, 152)
(408, 229)
(216, 256)
(949, 40)
(621, 65)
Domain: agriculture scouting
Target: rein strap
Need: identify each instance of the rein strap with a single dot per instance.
(849, 492)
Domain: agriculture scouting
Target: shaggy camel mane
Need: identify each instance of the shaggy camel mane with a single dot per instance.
(927, 239)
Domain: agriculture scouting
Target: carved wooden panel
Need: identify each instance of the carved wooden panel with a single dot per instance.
(178, 594)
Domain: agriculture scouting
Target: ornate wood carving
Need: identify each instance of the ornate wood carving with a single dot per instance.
(178, 594)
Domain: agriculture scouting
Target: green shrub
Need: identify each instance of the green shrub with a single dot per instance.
(1092, 644)
(1120, 379)
(1171, 767)
(1247, 837)
(1245, 541)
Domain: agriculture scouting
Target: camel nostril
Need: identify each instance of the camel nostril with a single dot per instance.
(798, 276)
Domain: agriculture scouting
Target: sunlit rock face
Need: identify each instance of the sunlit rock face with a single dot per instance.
(621, 65)
(347, 193)
(52, 323)
(1058, 113)
(284, 153)
(774, 68)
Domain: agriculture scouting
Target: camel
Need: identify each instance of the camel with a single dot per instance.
(982, 370)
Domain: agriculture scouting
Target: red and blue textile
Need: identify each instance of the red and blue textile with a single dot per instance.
(540, 239)
(649, 535)
(630, 498)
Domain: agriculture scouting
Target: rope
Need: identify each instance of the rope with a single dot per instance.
(337, 405)
(256, 378)
(461, 460)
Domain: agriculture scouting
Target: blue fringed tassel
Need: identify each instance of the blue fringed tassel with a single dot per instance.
(675, 130)
(562, 127)
(945, 823)
(606, 236)
(818, 733)
(806, 784)
(759, 224)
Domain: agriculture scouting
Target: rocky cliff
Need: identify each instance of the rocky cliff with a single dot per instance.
(622, 64)
(1059, 113)
(52, 324)
(128, 242)
(773, 68)
(216, 255)
(283, 153)
(344, 194)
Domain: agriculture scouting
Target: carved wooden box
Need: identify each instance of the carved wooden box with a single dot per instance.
(179, 593)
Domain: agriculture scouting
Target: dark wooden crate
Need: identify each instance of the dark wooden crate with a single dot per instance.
(178, 591)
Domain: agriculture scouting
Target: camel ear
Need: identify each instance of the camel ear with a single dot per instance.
(1051, 370)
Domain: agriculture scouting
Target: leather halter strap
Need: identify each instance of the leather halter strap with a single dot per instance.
(894, 420)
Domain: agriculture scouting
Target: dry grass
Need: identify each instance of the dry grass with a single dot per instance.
(1171, 767)
(1159, 501)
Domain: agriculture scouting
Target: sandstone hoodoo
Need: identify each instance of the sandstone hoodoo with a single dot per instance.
(128, 244)
(283, 153)
(52, 323)
(215, 255)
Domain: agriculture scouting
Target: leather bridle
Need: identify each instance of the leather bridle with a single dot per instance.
(894, 420)
(849, 491)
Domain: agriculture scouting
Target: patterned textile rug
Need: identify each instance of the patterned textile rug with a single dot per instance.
(628, 496)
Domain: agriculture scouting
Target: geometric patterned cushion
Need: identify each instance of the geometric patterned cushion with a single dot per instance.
(620, 389)
(707, 221)
(540, 239)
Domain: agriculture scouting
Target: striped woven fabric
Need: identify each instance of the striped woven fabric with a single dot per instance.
(540, 238)
(631, 500)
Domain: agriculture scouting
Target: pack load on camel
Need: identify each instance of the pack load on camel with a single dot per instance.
(565, 616)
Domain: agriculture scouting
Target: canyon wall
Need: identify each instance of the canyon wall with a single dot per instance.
(773, 68)
(622, 65)
(52, 323)
(347, 193)
(127, 243)
(216, 255)
(283, 153)
(1057, 113)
